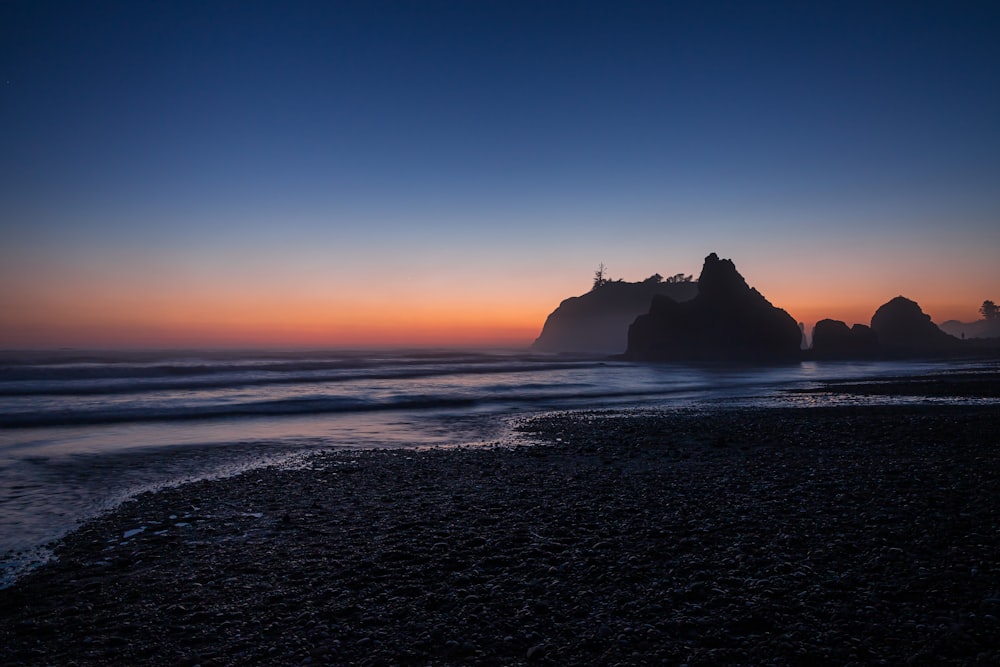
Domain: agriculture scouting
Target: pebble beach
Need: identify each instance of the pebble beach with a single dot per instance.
(767, 536)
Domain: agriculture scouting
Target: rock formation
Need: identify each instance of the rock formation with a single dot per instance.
(597, 322)
(904, 329)
(727, 321)
(832, 339)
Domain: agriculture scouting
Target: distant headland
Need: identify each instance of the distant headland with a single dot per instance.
(720, 317)
(597, 322)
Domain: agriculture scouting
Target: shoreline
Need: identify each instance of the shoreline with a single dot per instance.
(840, 534)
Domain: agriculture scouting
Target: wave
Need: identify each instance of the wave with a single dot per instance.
(70, 372)
(301, 406)
(314, 406)
(136, 382)
(21, 377)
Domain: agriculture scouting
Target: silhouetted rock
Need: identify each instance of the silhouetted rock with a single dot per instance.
(903, 328)
(832, 339)
(727, 321)
(597, 322)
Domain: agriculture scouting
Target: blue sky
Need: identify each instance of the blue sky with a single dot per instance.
(317, 148)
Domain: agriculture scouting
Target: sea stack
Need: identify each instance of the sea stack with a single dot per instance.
(904, 329)
(726, 321)
(833, 339)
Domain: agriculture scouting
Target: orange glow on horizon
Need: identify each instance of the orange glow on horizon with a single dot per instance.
(70, 307)
(239, 325)
(28, 337)
(245, 323)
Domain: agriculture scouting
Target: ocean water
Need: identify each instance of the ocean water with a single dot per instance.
(82, 431)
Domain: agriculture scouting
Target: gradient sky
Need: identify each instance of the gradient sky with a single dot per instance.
(422, 172)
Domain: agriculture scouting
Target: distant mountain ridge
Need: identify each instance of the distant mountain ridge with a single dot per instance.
(597, 322)
(977, 329)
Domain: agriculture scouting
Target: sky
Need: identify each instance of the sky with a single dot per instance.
(444, 173)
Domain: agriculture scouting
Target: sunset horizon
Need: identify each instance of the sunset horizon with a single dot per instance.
(171, 321)
(365, 332)
(350, 174)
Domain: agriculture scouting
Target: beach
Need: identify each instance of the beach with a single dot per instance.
(831, 535)
(499, 334)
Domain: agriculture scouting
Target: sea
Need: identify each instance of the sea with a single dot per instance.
(83, 431)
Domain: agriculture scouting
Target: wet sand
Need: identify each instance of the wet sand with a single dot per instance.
(852, 535)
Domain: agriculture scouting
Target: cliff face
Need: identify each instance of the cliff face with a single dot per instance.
(727, 321)
(598, 322)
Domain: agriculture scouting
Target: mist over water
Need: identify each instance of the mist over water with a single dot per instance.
(80, 432)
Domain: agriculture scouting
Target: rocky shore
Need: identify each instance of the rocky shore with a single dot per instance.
(853, 535)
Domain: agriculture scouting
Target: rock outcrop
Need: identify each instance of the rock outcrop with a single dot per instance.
(904, 329)
(833, 339)
(727, 321)
(598, 322)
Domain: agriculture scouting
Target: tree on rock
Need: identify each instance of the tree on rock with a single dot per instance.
(601, 276)
(990, 310)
